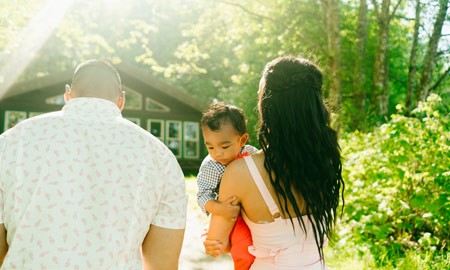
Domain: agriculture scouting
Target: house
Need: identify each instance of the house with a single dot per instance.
(164, 110)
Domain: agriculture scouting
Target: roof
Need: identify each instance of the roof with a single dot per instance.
(123, 68)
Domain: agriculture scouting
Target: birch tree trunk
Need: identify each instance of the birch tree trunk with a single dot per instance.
(412, 61)
(429, 61)
(331, 15)
(359, 75)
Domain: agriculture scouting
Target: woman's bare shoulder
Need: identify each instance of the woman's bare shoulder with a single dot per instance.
(234, 169)
(233, 179)
(237, 172)
(258, 157)
(239, 166)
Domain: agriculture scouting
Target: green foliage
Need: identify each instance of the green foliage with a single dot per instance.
(217, 49)
(14, 16)
(234, 40)
(397, 176)
(398, 186)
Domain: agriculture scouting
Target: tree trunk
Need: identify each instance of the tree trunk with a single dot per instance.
(412, 61)
(359, 75)
(331, 14)
(440, 80)
(380, 89)
(425, 79)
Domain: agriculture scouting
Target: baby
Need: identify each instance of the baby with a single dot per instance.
(225, 135)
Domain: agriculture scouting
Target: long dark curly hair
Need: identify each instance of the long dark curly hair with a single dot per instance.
(302, 153)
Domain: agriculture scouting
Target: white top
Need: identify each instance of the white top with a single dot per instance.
(279, 245)
(79, 189)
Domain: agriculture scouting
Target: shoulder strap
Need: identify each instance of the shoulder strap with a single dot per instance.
(273, 208)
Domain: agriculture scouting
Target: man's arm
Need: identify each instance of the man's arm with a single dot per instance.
(162, 245)
(161, 248)
(3, 243)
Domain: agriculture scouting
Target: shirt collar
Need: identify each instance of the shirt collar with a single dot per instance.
(91, 107)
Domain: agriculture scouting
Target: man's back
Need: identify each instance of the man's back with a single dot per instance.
(81, 188)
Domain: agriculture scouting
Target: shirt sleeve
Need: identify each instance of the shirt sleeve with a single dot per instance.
(172, 207)
(250, 149)
(208, 180)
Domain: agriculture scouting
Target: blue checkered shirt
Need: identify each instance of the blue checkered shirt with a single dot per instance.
(209, 176)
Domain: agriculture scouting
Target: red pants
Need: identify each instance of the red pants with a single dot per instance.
(241, 239)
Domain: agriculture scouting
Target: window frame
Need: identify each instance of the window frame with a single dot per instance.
(141, 97)
(164, 108)
(163, 128)
(135, 120)
(196, 140)
(7, 121)
(179, 139)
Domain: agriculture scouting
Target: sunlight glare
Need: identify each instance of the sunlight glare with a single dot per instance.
(21, 51)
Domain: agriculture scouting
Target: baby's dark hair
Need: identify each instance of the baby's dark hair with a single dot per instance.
(219, 113)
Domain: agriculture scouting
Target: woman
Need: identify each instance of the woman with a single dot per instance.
(289, 191)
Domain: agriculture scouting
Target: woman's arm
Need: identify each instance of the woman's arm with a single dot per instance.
(220, 227)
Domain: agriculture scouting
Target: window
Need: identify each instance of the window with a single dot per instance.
(173, 137)
(31, 114)
(56, 100)
(156, 127)
(12, 118)
(135, 120)
(133, 99)
(155, 106)
(191, 140)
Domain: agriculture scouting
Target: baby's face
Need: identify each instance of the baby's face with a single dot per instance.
(225, 144)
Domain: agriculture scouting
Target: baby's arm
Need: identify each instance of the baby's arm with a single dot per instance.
(208, 180)
(227, 209)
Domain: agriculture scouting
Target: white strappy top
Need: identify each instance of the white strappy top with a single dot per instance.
(277, 245)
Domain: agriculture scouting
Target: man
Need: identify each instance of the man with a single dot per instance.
(84, 188)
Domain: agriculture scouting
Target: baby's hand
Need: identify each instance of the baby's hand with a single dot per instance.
(212, 247)
(228, 210)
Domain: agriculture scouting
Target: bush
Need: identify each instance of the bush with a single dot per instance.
(398, 186)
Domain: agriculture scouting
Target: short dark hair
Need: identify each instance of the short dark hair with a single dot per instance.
(219, 113)
(96, 78)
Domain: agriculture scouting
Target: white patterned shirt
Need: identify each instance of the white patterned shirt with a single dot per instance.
(79, 189)
(209, 176)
